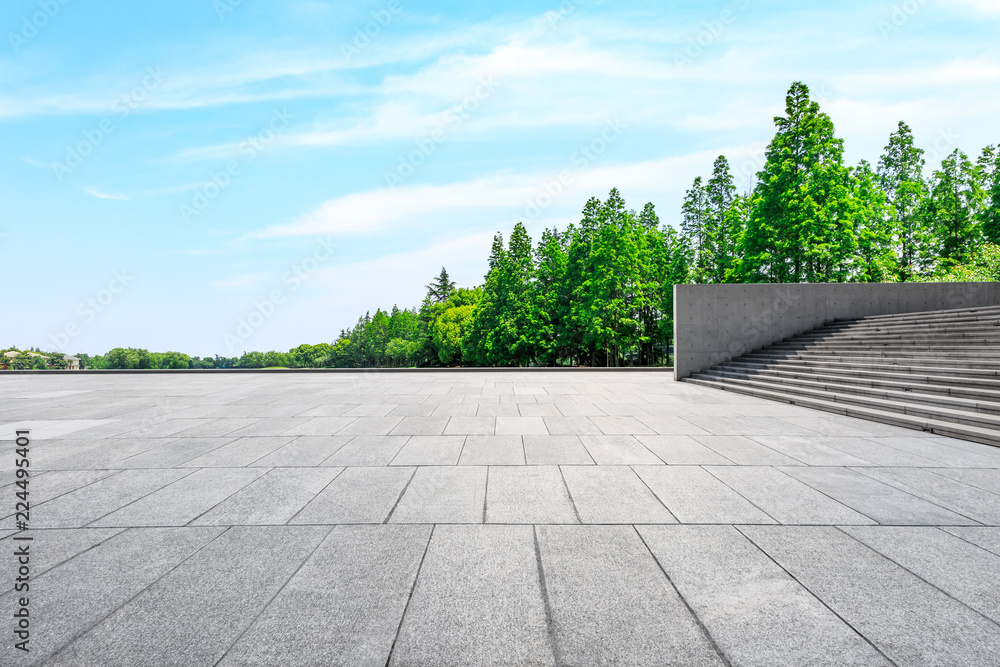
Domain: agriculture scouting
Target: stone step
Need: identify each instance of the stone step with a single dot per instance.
(873, 357)
(901, 395)
(880, 381)
(946, 428)
(878, 369)
(944, 413)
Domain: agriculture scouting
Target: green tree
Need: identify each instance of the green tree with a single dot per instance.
(452, 319)
(128, 358)
(875, 259)
(696, 225)
(901, 178)
(441, 288)
(954, 203)
(801, 228)
(723, 227)
(989, 217)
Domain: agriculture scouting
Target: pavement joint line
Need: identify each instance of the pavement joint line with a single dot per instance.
(89, 628)
(400, 496)
(820, 491)
(117, 532)
(697, 619)
(309, 502)
(754, 438)
(486, 492)
(817, 597)
(961, 481)
(191, 522)
(267, 604)
(409, 598)
(989, 551)
(394, 456)
(908, 570)
(351, 439)
(658, 499)
(752, 503)
(110, 512)
(569, 493)
(546, 602)
(861, 471)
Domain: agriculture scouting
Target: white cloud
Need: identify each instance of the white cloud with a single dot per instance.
(116, 196)
(988, 7)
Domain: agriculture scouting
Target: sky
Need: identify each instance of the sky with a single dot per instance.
(220, 176)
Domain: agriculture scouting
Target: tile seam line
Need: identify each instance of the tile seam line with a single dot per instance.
(399, 498)
(697, 619)
(959, 481)
(937, 504)
(989, 551)
(658, 499)
(142, 497)
(112, 472)
(267, 604)
(83, 633)
(117, 532)
(576, 512)
(546, 602)
(409, 598)
(824, 493)
(817, 597)
(252, 481)
(752, 503)
(911, 572)
(315, 496)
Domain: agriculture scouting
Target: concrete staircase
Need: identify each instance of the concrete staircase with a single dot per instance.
(937, 371)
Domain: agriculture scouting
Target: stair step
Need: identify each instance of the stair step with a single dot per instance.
(871, 371)
(896, 395)
(963, 431)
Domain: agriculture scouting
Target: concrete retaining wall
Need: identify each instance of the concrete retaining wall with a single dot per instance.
(716, 323)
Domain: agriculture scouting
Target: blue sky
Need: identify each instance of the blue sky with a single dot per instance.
(214, 176)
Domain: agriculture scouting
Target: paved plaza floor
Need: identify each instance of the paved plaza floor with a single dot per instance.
(487, 518)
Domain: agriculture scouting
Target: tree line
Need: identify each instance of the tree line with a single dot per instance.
(600, 292)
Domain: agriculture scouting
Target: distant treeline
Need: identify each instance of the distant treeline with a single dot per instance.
(599, 293)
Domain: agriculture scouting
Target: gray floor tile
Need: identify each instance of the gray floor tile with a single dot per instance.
(184, 500)
(885, 504)
(785, 498)
(477, 601)
(986, 538)
(694, 496)
(618, 450)
(613, 494)
(681, 450)
(611, 604)
(501, 450)
(357, 495)
(430, 450)
(555, 450)
(368, 450)
(443, 495)
(743, 451)
(326, 614)
(304, 450)
(239, 453)
(909, 620)
(808, 450)
(271, 500)
(227, 582)
(756, 613)
(571, 426)
(961, 498)
(470, 426)
(71, 599)
(528, 494)
(931, 554)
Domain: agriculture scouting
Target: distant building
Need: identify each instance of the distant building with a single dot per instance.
(72, 363)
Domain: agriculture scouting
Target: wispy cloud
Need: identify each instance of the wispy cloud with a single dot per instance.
(116, 196)
(244, 281)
